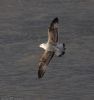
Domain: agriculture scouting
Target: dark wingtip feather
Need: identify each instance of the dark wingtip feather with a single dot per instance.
(40, 73)
(55, 20)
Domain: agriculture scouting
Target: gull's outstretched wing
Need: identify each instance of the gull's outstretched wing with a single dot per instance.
(44, 61)
(53, 31)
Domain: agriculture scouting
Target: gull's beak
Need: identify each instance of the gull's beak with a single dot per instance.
(40, 45)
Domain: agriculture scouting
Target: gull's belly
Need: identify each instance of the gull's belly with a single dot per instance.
(50, 47)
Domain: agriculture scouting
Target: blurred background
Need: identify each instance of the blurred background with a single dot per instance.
(23, 26)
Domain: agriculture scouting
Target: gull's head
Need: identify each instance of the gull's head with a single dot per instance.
(43, 45)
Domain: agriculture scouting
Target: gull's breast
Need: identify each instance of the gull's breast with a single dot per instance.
(50, 47)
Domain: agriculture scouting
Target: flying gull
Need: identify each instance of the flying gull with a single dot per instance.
(52, 47)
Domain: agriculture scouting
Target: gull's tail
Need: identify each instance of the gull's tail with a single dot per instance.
(60, 49)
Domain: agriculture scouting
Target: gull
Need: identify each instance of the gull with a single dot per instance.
(51, 47)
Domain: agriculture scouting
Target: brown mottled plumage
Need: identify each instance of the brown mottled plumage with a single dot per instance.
(48, 55)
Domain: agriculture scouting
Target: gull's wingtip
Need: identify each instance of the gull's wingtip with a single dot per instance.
(41, 71)
(40, 74)
(55, 20)
(54, 23)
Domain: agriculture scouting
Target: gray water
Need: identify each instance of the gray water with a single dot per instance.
(23, 26)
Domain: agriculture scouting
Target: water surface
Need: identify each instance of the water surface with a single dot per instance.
(23, 26)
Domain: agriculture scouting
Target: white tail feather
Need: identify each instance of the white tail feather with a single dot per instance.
(58, 49)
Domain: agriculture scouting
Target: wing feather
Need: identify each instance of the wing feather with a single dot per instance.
(48, 55)
(44, 61)
(53, 31)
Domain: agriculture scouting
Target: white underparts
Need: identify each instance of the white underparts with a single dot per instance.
(47, 46)
(58, 49)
